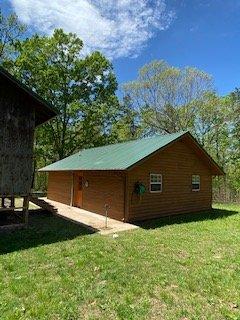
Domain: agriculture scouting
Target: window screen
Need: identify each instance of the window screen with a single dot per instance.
(195, 182)
(155, 182)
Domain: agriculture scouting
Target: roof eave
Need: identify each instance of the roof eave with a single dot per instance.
(193, 143)
(73, 170)
(50, 111)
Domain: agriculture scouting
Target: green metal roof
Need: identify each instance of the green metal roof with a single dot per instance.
(118, 156)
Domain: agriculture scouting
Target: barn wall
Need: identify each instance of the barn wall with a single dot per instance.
(17, 123)
(177, 163)
(59, 186)
(104, 187)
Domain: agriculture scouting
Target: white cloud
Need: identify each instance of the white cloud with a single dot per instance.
(118, 28)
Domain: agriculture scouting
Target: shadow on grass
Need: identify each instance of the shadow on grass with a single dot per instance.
(186, 218)
(44, 228)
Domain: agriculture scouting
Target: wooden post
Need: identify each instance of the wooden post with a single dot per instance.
(3, 202)
(12, 201)
(26, 209)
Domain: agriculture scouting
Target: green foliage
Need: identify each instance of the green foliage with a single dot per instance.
(182, 267)
(129, 125)
(168, 99)
(164, 95)
(162, 99)
(10, 32)
(82, 89)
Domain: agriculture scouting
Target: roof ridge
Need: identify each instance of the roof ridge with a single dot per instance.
(134, 140)
(118, 156)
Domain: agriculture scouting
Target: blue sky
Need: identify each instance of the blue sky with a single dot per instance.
(204, 34)
(199, 33)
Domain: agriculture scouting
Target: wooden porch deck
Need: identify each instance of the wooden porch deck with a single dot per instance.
(90, 220)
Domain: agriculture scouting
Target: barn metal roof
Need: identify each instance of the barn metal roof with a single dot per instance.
(118, 156)
(44, 110)
(122, 156)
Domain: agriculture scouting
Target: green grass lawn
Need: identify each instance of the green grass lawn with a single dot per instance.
(185, 267)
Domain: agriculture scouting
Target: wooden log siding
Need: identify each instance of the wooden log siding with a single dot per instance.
(59, 186)
(176, 163)
(17, 124)
(105, 187)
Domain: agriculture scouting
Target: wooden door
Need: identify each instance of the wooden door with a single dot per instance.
(78, 190)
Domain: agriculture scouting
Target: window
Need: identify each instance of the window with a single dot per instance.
(195, 182)
(155, 182)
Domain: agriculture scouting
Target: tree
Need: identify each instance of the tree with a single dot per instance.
(234, 103)
(170, 99)
(10, 32)
(81, 89)
(216, 122)
(210, 125)
(129, 125)
(166, 95)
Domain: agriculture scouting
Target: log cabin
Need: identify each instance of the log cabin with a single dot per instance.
(137, 180)
(21, 111)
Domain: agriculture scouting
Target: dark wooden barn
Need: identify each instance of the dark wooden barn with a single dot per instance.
(21, 110)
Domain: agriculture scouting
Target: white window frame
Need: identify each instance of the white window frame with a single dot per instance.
(153, 183)
(199, 183)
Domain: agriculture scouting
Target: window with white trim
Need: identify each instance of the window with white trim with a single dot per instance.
(155, 182)
(195, 182)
